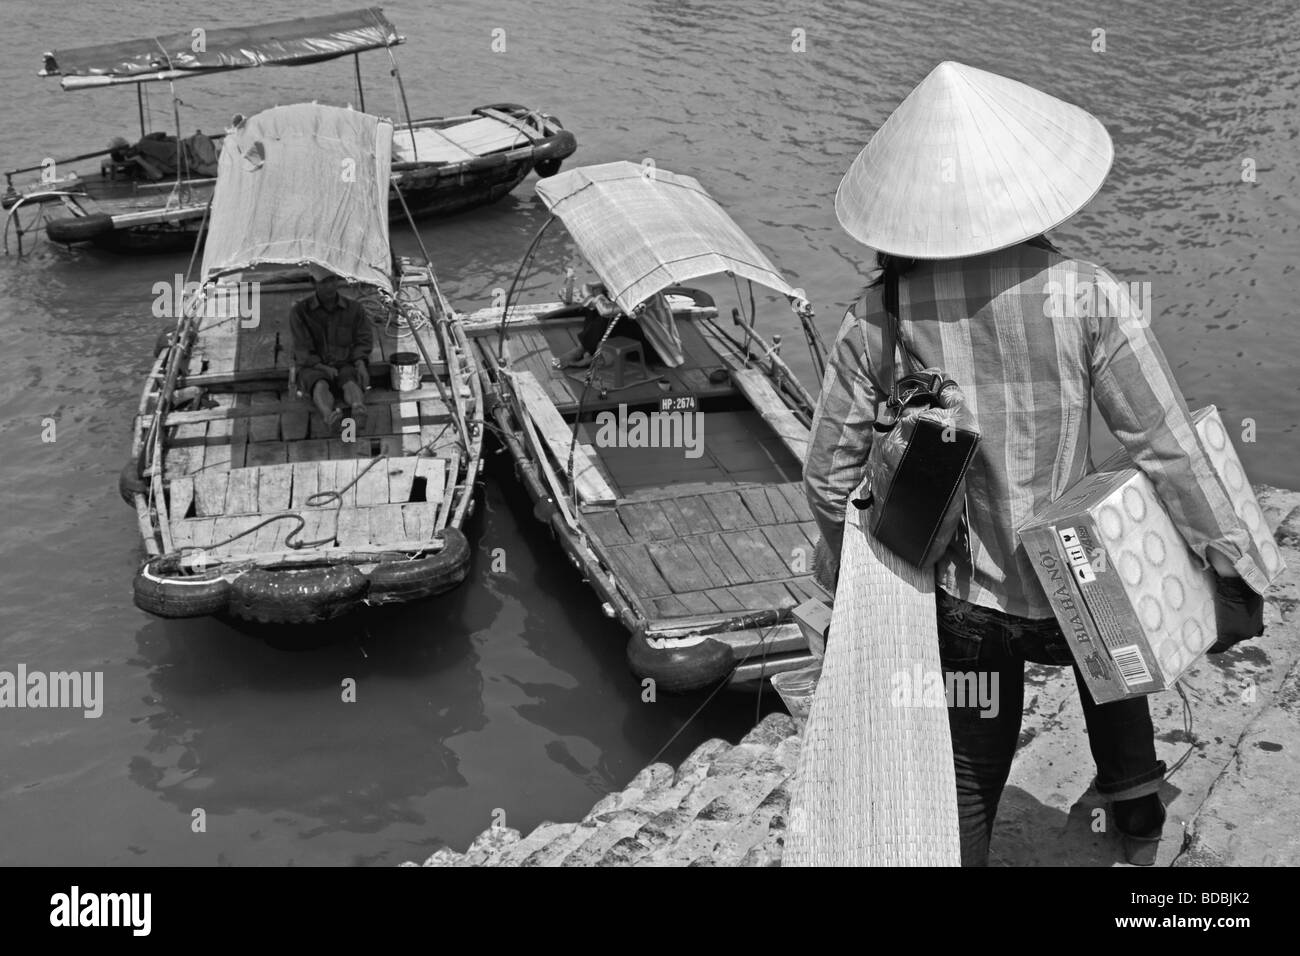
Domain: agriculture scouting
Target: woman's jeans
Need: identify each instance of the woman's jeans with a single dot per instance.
(985, 648)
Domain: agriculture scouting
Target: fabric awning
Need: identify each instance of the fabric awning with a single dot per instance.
(284, 43)
(304, 183)
(643, 230)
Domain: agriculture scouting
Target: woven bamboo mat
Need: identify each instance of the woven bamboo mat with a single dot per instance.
(875, 783)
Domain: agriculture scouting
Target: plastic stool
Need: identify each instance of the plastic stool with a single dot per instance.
(615, 354)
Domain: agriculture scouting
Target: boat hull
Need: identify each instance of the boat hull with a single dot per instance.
(123, 223)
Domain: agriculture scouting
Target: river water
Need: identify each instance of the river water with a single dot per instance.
(508, 700)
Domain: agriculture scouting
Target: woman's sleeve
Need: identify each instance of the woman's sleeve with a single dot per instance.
(841, 433)
(1144, 407)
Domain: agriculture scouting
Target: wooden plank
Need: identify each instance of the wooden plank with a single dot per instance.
(696, 516)
(646, 521)
(258, 454)
(305, 483)
(763, 596)
(755, 555)
(782, 510)
(182, 533)
(210, 493)
(274, 488)
(387, 524)
(401, 473)
(607, 527)
(677, 565)
(241, 492)
(449, 491)
(344, 473)
(271, 537)
(181, 496)
(798, 499)
(418, 520)
(757, 502)
(228, 527)
(713, 574)
(354, 527)
(378, 419)
(758, 388)
(318, 524)
(196, 532)
(788, 541)
(726, 601)
(295, 423)
(729, 510)
(715, 550)
(634, 563)
(219, 457)
(241, 411)
(670, 606)
(434, 473)
(406, 418)
(592, 487)
(372, 487)
(311, 449)
(697, 602)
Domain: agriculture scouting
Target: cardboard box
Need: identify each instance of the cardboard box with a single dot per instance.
(1133, 602)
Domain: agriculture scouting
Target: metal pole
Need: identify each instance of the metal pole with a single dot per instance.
(401, 89)
(361, 93)
(139, 102)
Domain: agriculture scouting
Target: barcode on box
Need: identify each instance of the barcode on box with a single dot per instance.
(1131, 665)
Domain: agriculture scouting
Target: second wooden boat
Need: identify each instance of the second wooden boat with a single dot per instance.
(700, 540)
(250, 504)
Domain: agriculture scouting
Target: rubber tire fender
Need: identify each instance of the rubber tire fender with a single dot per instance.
(130, 484)
(79, 228)
(297, 595)
(172, 597)
(680, 670)
(395, 581)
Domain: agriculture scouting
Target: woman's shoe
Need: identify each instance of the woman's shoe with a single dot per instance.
(1140, 847)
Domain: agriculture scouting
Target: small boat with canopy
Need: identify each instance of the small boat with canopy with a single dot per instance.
(250, 505)
(152, 195)
(668, 463)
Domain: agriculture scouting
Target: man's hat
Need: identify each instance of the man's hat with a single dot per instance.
(971, 162)
(319, 272)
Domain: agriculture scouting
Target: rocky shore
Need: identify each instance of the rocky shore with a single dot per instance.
(1231, 739)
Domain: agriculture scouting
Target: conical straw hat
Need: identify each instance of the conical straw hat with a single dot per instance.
(971, 162)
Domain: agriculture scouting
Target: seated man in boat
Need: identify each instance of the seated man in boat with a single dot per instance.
(599, 310)
(332, 338)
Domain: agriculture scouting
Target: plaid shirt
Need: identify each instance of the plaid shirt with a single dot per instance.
(1032, 338)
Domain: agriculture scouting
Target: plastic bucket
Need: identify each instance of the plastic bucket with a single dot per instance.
(797, 689)
(404, 369)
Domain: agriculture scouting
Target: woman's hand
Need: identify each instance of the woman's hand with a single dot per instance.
(1222, 566)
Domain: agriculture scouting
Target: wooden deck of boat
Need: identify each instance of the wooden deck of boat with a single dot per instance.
(263, 451)
(729, 531)
(745, 548)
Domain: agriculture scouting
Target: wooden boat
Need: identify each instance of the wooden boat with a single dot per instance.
(248, 505)
(701, 558)
(440, 165)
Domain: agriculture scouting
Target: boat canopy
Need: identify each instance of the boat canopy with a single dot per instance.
(304, 184)
(178, 55)
(643, 229)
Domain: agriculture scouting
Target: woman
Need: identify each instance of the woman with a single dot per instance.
(954, 192)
